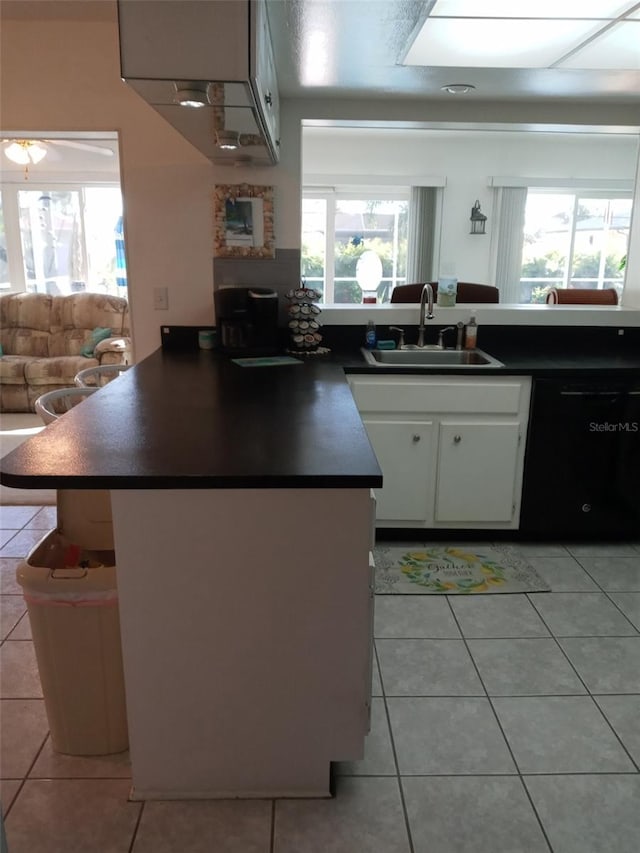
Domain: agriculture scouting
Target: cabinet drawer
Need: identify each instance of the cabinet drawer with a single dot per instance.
(457, 395)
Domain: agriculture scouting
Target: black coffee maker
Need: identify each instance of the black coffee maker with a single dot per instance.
(247, 319)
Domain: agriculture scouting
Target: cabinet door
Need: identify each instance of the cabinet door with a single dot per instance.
(405, 451)
(264, 72)
(477, 466)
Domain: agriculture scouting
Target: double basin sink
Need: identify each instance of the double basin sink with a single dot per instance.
(425, 357)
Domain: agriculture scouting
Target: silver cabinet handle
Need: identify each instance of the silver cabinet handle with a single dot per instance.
(457, 439)
(416, 438)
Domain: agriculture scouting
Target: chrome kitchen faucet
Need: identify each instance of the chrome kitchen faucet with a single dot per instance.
(427, 294)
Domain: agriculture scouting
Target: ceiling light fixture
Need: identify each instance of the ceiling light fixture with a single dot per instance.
(191, 97)
(227, 140)
(458, 88)
(24, 151)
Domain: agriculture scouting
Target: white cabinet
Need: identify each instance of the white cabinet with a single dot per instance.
(477, 471)
(264, 81)
(451, 449)
(220, 48)
(405, 453)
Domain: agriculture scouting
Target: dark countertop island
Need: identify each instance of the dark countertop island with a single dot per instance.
(242, 519)
(196, 420)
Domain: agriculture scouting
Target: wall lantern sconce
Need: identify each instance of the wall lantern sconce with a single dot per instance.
(478, 219)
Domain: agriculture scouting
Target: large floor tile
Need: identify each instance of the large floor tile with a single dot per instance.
(8, 583)
(223, 826)
(623, 712)
(5, 537)
(497, 616)
(407, 616)
(21, 543)
(629, 603)
(478, 814)
(72, 816)
(8, 790)
(15, 517)
(581, 614)
(563, 574)
(22, 630)
(600, 549)
(540, 549)
(588, 814)
(378, 753)
(606, 664)
(427, 668)
(12, 608)
(376, 684)
(365, 816)
(54, 765)
(19, 677)
(45, 519)
(524, 667)
(560, 734)
(447, 736)
(23, 728)
(614, 574)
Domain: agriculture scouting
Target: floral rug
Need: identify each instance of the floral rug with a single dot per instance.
(417, 569)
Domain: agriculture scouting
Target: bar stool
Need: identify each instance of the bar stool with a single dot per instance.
(95, 377)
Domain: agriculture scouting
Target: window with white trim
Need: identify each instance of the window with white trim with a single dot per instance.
(574, 239)
(354, 244)
(62, 238)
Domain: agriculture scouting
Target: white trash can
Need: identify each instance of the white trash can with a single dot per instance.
(75, 624)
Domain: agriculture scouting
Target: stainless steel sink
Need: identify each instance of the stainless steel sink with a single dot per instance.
(445, 358)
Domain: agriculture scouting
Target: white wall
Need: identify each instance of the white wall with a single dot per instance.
(64, 75)
(467, 160)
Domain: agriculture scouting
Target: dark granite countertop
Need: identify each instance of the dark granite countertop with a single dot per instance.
(195, 420)
(538, 365)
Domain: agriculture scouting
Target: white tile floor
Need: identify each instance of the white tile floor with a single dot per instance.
(501, 724)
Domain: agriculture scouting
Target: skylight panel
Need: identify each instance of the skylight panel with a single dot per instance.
(497, 43)
(602, 9)
(618, 47)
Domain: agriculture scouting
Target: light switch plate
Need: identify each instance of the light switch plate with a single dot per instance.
(161, 298)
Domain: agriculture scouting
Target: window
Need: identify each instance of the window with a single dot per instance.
(354, 245)
(4, 262)
(62, 239)
(573, 240)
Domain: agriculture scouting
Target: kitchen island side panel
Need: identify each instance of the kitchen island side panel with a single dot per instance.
(246, 628)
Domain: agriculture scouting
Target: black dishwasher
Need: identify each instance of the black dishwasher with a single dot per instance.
(582, 464)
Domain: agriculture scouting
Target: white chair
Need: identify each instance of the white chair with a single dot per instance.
(51, 405)
(95, 377)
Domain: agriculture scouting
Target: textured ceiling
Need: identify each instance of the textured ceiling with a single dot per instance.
(352, 48)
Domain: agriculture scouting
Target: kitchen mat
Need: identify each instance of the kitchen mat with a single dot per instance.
(418, 569)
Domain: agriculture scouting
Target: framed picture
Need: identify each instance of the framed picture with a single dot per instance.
(243, 221)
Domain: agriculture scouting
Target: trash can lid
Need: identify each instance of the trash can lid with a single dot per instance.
(56, 582)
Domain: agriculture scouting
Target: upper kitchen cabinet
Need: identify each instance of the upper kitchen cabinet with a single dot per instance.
(207, 67)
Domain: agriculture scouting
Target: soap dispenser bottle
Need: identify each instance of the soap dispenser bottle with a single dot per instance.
(471, 332)
(371, 336)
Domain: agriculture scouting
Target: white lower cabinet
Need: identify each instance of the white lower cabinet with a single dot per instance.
(405, 454)
(451, 449)
(477, 471)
